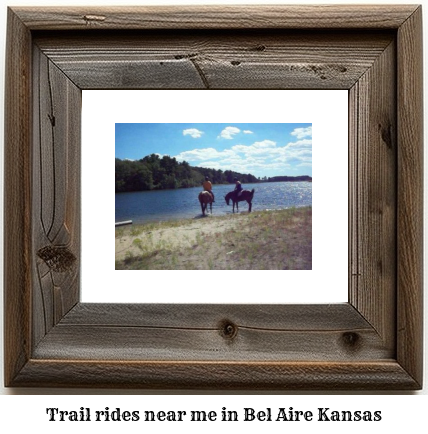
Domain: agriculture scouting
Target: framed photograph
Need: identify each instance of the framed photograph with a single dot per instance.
(53, 337)
(229, 171)
(168, 230)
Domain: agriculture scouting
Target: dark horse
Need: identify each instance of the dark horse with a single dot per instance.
(205, 199)
(245, 195)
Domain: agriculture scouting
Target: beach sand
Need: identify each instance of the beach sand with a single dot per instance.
(258, 240)
(182, 236)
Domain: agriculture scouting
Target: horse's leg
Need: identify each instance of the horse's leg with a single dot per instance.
(249, 206)
(211, 207)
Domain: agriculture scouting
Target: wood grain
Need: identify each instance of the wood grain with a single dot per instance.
(17, 199)
(56, 194)
(216, 60)
(217, 17)
(198, 332)
(372, 342)
(373, 163)
(410, 197)
(340, 316)
(385, 375)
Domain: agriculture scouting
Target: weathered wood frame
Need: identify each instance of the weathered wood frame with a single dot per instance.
(372, 342)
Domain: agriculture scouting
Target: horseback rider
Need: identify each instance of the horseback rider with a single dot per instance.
(207, 186)
(238, 187)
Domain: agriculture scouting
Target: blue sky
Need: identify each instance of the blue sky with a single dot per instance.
(259, 149)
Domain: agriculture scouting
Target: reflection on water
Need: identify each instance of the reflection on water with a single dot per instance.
(145, 206)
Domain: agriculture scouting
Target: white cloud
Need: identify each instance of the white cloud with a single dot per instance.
(193, 132)
(255, 148)
(257, 158)
(301, 144)
(264, 144)
(301, 133)
(204, 154)
(229, 132)
(247, 132)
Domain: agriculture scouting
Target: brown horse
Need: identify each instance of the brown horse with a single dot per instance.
(245, 195)
(205, 199)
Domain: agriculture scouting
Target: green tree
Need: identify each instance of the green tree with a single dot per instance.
(155, 172)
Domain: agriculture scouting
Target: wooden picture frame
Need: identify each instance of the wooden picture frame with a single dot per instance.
(372, 342)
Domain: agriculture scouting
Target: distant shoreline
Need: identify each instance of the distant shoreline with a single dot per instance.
(270, 180)
(154, 172)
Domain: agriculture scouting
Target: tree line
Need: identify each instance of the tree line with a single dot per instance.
(155, 173)
(289, 178)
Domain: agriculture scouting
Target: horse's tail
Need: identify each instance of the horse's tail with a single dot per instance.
(252, 193)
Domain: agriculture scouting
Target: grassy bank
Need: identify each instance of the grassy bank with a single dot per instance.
(262, 240)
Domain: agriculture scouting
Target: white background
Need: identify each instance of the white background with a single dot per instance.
(400, 413)
(327, 282)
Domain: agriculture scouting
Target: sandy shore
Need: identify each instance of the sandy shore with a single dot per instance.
(259, 240)
(182, 236)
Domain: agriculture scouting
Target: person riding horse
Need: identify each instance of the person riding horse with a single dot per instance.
(239, 195)
(238, 188)
(207, 186)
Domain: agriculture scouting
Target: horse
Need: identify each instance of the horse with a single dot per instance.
(205, 199)
(245, 195)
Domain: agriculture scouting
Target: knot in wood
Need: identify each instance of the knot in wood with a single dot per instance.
(185, 56)
(386, 134)
(94, 18)
(57, 258)
(351, 340)
(227, 329)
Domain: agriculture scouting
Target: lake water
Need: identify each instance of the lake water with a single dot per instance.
(160, 205)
